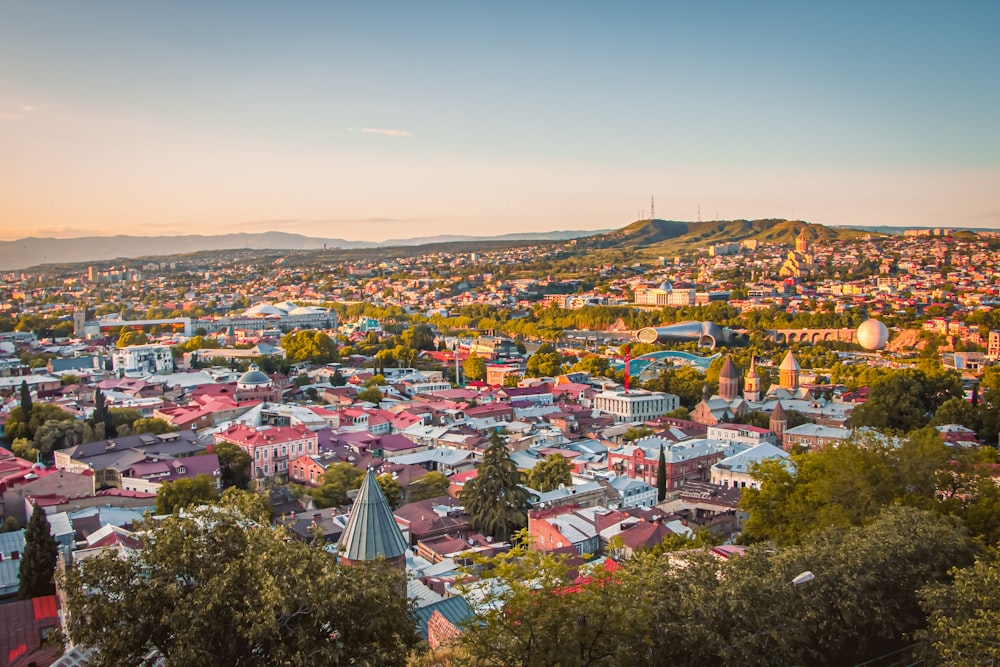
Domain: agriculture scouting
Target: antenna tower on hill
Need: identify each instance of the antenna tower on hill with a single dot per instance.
(652, 208)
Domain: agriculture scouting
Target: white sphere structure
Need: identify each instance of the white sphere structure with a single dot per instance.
(872, 335)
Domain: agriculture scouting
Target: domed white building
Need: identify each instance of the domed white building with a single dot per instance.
(873, 335)
(254, 378)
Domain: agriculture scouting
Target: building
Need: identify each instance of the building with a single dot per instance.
(636, 405)
(272, 448)
(814, 436)
(142, 360)
(686, 461)
(736, 471)
(371, 531)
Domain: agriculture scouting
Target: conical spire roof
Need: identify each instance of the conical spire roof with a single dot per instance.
(779, 414)
(790, 363)
(752, 372)
(728, 370)
(371, 530)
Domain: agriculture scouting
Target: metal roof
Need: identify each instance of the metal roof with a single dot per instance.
(371, 529)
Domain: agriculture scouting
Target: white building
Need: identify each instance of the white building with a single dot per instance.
(636, 405)
(735, 471)
(142, 360)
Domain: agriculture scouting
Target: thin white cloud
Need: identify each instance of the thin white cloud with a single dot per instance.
(27, 108)
(391, 133)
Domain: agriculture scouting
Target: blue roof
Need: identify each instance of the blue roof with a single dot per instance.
(10, 577)
(456, 610)
(12, 541)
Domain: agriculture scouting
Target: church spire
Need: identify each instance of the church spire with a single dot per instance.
(371, 530)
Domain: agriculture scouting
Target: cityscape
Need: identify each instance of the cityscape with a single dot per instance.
(481, 335)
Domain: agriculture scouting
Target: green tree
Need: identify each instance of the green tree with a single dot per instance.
(474, 368)
(958, 411)
(234, 465)
(152, 425)
(38, 562)
(25, 401)
(182, 493)
(549, 473)
(9, 525)
(494, 499)
(313, 346)
(25, 449)
(633, 433)
(370, 395)
(127, 338)
(544, 364)
(185, 597)
(56, 434)
(419, 337)
(431, 485)
(534, 613)
(391, 489)
(339, 478)
(102, 415)
(830, 487)
(964, 616)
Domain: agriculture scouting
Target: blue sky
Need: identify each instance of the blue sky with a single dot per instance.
(384, 120)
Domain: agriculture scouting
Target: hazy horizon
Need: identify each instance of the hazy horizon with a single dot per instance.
(391, 120)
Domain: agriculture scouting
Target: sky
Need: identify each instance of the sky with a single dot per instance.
(386, 120)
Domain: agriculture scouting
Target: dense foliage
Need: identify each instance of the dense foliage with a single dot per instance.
(214, 588)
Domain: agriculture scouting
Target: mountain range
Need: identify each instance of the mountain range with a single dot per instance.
(32, 251)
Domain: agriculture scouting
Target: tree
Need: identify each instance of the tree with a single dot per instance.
(419, 337)
(313, 346)
(213, 588)
(830, 487)
(963, 616)
(128, 338)
(957, 411)
(9, 525)
(370, 395)
(474, 368)
(102, 415)
(661, 477)
(179, 494)
(25, 449)
(494, 499)
(152, 425)
(234, 465)
(56, 434)
(38, 562)
(544, 364)
(339, 478)
(431, 485)
(25, 401)
(633, 433)
(391, 489)
(549, 473)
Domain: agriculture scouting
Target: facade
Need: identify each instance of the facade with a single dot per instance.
(814, 436)
(142, 360)
(686, 461)
(637, 405)
(736, 471)
(273, 448)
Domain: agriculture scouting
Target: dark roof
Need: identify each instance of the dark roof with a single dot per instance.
(371, 530)
(21, 628)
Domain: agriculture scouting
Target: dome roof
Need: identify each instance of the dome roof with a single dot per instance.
(253, 378)
(286, 306)
(305, 310)
(263, 310)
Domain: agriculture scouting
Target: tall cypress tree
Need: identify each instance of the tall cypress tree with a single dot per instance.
(38, 563)
(494, 499)
(102, 415)
(25, 402)
(661, 477)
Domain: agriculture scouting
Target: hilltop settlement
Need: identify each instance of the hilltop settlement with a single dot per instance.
(761, 442)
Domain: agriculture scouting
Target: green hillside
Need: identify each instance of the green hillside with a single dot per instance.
(668, 236)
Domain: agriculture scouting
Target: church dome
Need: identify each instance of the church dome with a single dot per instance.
(254, 377)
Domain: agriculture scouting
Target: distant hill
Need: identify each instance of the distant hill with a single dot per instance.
(671, 235)
(28, 252)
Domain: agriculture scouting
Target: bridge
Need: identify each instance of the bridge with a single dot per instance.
(785, 336)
